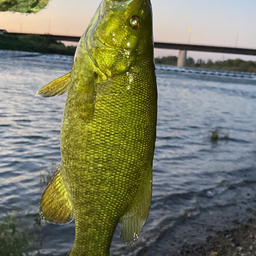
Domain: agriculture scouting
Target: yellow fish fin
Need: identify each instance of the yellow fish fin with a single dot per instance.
(57, 87)
(55, 205)
(135, 217)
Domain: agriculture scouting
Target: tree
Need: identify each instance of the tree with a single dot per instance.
(190, 62)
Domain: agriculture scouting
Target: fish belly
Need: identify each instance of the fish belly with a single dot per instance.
(104, 159)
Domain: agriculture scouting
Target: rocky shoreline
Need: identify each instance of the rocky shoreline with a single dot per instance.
(239, 241)
(224, 230)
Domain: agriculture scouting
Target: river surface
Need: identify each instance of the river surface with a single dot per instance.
(192, 173)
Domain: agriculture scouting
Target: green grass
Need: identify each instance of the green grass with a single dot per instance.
(18, 237)
(15, 239)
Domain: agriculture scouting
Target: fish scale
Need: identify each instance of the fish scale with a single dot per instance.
(108, 131)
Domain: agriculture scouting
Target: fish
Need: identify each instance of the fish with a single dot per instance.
(108, 130)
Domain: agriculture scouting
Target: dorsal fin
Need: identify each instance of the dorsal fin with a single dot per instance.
(135, 217)
(56, 87)
(55, 206)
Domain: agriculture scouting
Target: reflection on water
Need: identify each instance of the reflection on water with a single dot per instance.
(191, 174)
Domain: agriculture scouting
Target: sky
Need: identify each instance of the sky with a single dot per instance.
(220, 23)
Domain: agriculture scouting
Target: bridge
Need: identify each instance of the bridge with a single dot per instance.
(183, 48)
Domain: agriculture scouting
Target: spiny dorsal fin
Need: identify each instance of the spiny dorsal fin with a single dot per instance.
(55, 205)
(56, 87)
(135, 217)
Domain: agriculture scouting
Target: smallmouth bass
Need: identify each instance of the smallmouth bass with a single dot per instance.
(108, 130)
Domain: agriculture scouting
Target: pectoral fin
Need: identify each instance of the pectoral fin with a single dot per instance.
(57, 87)
(135, 217)
(55, 205)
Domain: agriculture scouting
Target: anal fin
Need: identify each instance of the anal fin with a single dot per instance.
(135, 217)
(55, 206)
(56, 87)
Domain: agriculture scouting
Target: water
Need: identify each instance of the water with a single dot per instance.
(192, 174)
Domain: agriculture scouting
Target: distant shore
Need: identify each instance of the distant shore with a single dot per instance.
(229, 65)
(34, 43)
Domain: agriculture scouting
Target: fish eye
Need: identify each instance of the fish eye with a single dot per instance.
(135, 22)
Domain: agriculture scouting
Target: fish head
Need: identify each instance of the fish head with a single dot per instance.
(118, 34)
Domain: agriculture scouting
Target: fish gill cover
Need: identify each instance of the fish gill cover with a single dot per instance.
(24, 6)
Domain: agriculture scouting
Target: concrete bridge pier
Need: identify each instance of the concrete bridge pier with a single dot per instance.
(182, 58)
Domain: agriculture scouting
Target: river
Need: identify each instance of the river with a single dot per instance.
(193, 175)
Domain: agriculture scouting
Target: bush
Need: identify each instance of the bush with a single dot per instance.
(14, 239)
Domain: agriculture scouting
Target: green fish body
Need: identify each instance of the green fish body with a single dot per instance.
(108, 130)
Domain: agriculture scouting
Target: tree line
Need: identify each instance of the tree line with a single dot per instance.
(231, 65)
(34, 43)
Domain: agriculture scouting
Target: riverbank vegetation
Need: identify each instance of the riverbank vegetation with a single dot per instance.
(34, 43)
(231, 65)
(15, 238)
(19, 236)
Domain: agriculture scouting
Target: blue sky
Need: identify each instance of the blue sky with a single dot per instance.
(222, 23)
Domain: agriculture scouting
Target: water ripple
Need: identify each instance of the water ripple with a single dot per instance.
(191, 172)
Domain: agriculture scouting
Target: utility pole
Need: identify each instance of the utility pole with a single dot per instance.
(20, 25)
(237, 34)
(189, 35)
(49, 28)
